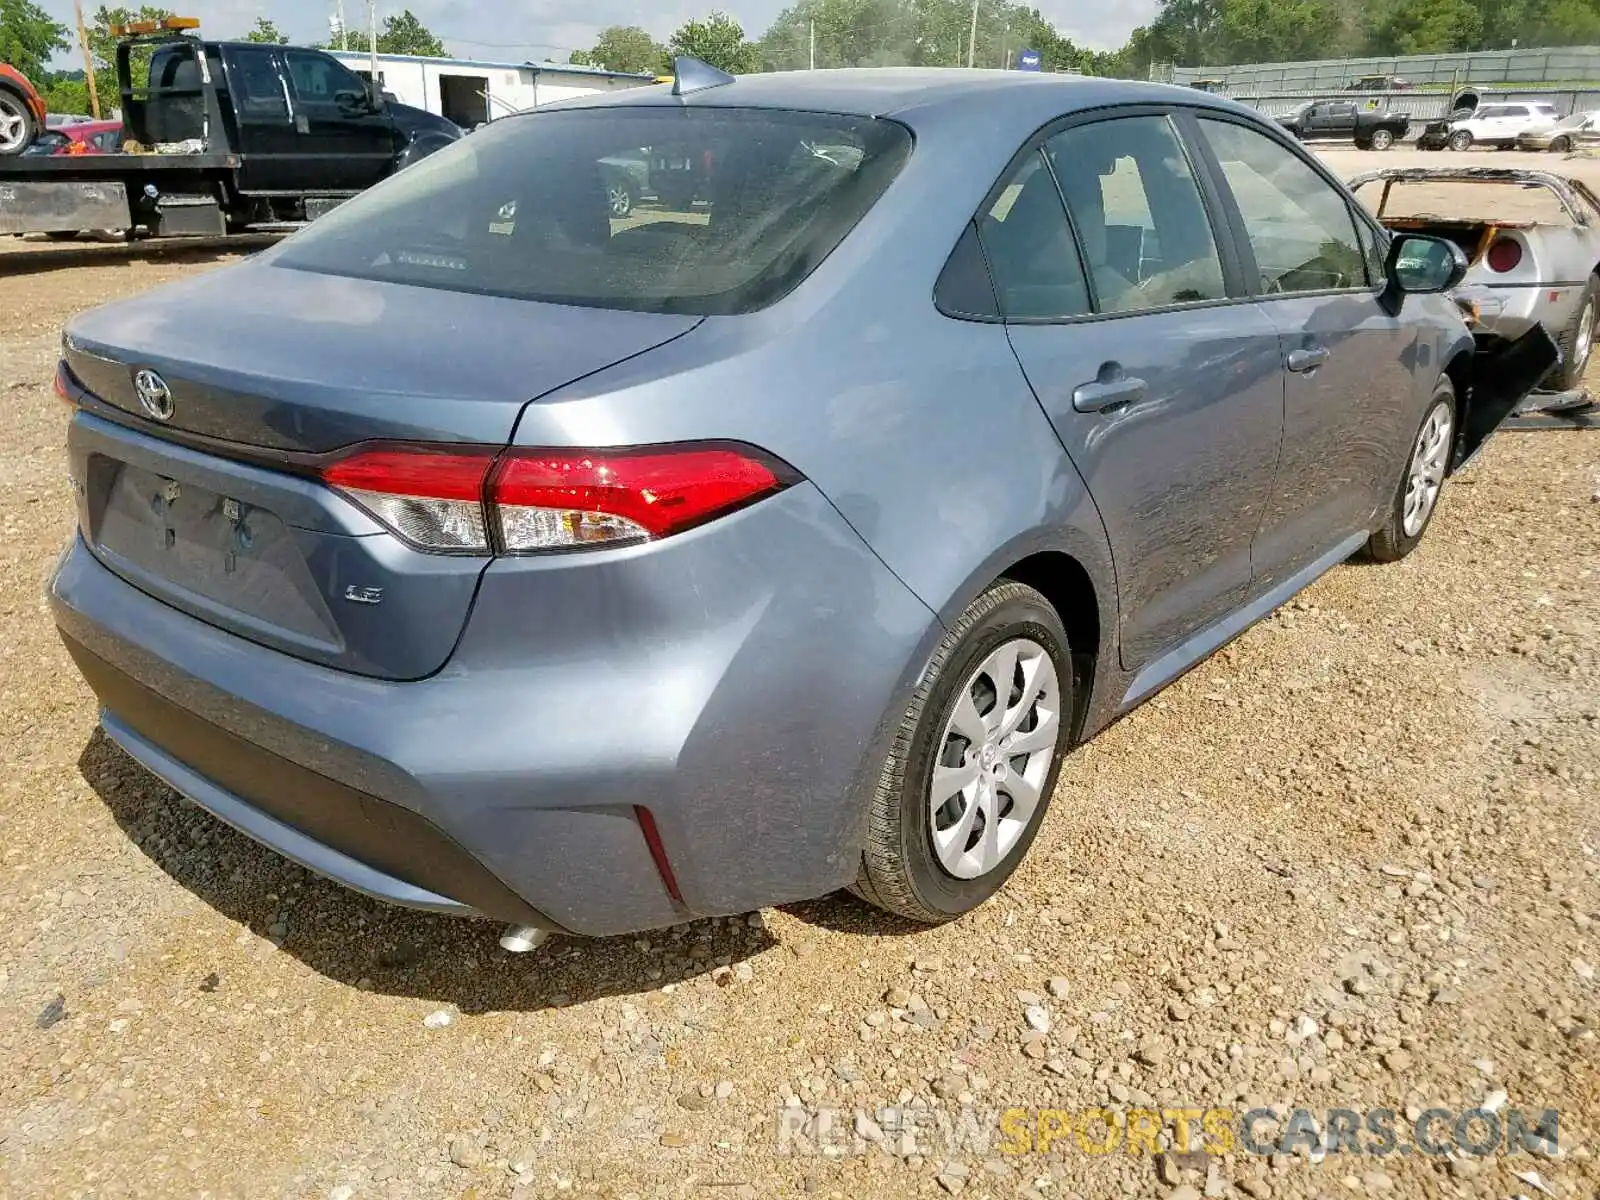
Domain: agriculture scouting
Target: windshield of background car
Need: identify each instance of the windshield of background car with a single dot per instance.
(1466, 201)
(701, 211)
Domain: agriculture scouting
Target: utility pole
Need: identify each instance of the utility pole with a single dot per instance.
(372, 32)
(88, 60)
(972, 38)
(813, 45)
(344, 38)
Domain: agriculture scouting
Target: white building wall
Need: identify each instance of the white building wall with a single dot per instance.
(415, 81)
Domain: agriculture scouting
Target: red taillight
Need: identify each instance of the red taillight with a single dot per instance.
(1505, 255)
(560, 499)
(63, 384)
(539, 500)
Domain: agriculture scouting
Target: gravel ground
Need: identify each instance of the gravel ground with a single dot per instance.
(1348, 863)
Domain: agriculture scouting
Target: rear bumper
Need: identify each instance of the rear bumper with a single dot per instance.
(739, 682)
(1511, 311)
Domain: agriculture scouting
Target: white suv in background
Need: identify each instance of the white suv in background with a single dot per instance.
(1500, 125)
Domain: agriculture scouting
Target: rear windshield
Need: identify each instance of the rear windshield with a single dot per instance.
(678, 210)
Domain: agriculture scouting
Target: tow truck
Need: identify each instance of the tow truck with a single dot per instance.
(221, 138)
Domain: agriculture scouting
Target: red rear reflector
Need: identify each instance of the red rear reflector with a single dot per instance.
(658, 852)
(1505, 255)
(63, 386)
(561, 499)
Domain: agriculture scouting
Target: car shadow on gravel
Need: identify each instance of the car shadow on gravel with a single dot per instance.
(360, 942)
(59, 256)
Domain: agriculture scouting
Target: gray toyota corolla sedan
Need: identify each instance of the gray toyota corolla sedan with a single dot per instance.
(496, 554)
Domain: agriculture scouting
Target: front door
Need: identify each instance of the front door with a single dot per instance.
(1167, 397)
(1351, 394)
(346, 144)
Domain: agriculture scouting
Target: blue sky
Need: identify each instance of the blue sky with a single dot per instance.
(537, 29)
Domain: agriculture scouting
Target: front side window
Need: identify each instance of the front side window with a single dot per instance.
(1299, 226)
(318, 79)
(729, 209)
(1147, 240)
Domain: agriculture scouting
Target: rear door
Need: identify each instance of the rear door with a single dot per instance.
(1165, 390)
(1339, 120)
(1351, 396)
(345, 145)
(263, 120)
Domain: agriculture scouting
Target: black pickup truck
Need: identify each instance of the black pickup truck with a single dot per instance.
(222, 137)
(1346, 120)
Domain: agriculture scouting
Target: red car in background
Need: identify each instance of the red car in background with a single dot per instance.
(79, 137)
(21, 111)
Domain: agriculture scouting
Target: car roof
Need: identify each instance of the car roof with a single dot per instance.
(915, 94)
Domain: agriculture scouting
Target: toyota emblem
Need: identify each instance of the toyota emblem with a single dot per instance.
(155, 397)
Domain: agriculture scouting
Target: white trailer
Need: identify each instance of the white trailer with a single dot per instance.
(470, 92)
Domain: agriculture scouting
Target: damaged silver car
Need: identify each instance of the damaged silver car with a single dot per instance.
(1532, 241)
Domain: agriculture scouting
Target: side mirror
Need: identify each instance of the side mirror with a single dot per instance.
(1419, 265)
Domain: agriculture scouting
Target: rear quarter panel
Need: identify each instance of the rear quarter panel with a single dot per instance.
(921, 430)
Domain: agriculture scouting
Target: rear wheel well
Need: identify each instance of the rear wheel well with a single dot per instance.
(1061, 580)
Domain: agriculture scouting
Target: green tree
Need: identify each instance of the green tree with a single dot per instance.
(1424, 26)
(1275, 30)
(1564, 23)
(103, 49)
(65, 92)
(404, 34)
(266, 33)
(29, 37)
(718, 40)
(623, 48)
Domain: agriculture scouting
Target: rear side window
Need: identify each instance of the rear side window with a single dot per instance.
(700, 211)
(1032, 256)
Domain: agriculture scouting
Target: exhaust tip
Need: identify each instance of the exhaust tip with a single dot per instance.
(523, 939)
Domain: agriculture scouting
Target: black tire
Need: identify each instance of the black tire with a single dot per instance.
(1363, 143)
(1576, 350)
(1561, 145)
(1460, 140)
(1381, 139)
(63, 235)
(900, 871)
(1390, 542)
(16, 115)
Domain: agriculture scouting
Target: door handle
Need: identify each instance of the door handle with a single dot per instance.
(1307, 360)
(1106, 395)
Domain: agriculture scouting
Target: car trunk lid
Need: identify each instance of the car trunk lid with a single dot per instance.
(214, 506)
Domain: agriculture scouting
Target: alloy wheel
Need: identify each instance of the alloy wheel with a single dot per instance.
(13, 125)
(1429, 461)
(620, 199)
(994, 758)
(1583, 344)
